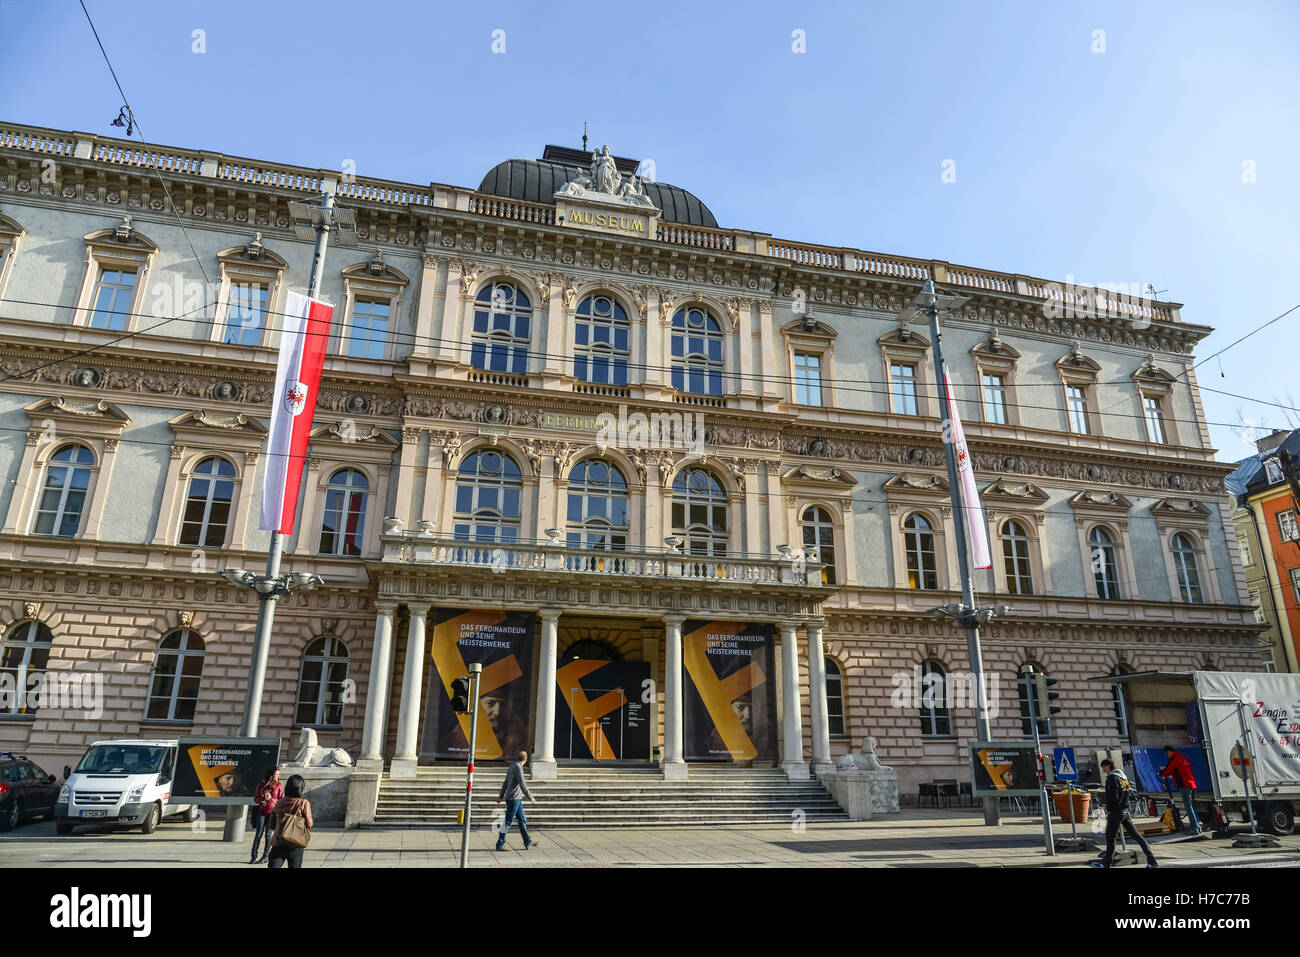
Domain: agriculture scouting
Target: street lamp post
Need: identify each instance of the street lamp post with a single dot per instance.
(969, 617)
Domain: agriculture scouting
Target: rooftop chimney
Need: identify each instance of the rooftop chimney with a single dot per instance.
(1269, 442)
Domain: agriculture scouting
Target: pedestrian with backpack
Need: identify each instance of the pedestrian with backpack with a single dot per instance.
(292, 826)
(1117, 816)
(268, 794)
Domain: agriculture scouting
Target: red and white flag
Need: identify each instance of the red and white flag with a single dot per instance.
(303, 339)
(976, 532)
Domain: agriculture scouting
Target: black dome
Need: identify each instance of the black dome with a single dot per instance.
(536, 181)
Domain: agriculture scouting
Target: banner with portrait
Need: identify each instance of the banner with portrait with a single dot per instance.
(221, 770)
(1004, 770)
(729, 694)
(502, 642)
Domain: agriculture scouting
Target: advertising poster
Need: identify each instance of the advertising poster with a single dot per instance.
(1264, 709)
(730, 698)
(502, 642)
(601, 710)
(1004, 770)
(221, 770)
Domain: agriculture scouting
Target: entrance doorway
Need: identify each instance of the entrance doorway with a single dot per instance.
(602, 712)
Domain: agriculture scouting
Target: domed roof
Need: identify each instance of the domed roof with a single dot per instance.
(536, 181)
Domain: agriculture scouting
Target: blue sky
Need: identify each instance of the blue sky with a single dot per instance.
(1117, 166)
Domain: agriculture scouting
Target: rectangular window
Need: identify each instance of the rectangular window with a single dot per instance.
(1286, 526)
(112, 299)
(1295, 584)
(995, 398)
(247, 314)
(1077, 398)
(902, 387)
(1259, 605)
(808, 378)
(369, 328)
(1153, 409)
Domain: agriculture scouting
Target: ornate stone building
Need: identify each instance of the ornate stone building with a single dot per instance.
(508, 427)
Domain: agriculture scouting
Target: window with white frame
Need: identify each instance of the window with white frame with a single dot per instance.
(63, 495)
(1286, 526)
(11, 237)
(1105, 567)
(1257, 603)
(1273, 471)
(808, 378)
(24, 655)
(995, 397)
(601, 341)
(902, 388)
(322, 678)
(343, 522)
(936, 719)
(112, 288)
(1153, 412)
(700, 512)
(597, 511)
(1077, 399)
(1119, 702)
(177, 674)
(922, 556)
(697, 341)
(246, 314)
(368, 332)
(1186, 569)
(834, 698)
(208, 504)
(489, 492)
(502, 331)
(1026, 716)
(112, 298)
(1016, 559)
(819, 532)
(1295, 584)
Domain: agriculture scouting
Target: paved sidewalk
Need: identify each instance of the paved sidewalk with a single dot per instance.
(914, 838)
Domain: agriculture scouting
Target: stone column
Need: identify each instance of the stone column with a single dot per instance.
(796, 769)
(372, 735)
(821, 728)
(408, 715)
(543, 758)
(673, 764)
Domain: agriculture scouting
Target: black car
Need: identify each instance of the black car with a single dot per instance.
(25, 790)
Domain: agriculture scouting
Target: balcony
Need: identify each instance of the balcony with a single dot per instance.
(581, 564)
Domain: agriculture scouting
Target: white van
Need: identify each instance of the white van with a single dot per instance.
(126, 782)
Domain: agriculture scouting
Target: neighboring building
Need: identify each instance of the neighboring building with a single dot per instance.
(1265, 523)
(459, 477)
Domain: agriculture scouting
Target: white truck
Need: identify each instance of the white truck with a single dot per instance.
(126, 782)
(1247, 724)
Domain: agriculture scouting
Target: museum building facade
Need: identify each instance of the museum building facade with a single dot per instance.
(678, 488)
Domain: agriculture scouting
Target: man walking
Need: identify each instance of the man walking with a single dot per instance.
(1179, 771)
(1117, 787)
(513, 791)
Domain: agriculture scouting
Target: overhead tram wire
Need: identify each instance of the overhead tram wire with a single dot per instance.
(753, 378)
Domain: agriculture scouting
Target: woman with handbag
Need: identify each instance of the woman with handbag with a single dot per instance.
(293, 823)
(268, 794)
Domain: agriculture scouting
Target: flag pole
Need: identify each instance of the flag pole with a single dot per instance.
(930, 306)
(267, 589)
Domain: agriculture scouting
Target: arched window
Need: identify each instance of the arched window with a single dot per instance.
(488, 498)
(321, 678)
(922, 560)
(207, 507)
(24, 652)
(177, 671)
(598, 506)
(700, 514)
(936, 719)
(697, 352)
(1120, 703)
(1016, 560)
(600, 341)
(63, 498)
(819, 531)
(1026, 727)
(1187, 570)
(502, 329)
(834, 698)
(344, 521)
(1104, 567)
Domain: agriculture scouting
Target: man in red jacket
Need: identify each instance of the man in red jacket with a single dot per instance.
(1179, 770)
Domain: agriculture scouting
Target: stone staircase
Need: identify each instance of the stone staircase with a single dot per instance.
(593, 796)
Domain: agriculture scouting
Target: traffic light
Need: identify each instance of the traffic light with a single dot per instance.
(1044, 698)
(460, 695)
